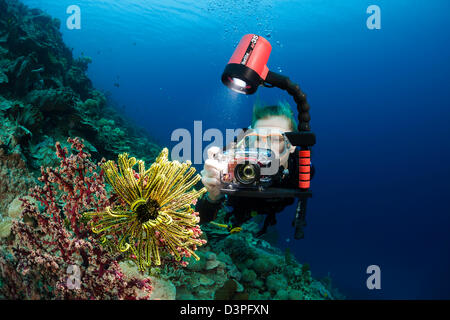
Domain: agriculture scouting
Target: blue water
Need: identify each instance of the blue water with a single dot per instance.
(380, 104)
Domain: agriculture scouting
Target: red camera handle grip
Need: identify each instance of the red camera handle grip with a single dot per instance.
(304, 169)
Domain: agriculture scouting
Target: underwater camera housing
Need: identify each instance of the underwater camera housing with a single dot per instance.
(258, 173)
(259, 159)
(247, 169)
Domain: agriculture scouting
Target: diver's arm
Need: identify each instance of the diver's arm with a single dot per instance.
(208, 208)
(212, 201)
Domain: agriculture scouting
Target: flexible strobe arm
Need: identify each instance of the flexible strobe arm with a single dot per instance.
(284, 83)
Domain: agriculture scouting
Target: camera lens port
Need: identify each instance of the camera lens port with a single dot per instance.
(247, 173)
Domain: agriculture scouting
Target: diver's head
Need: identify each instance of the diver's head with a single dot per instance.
(279, 116)
(273, 119)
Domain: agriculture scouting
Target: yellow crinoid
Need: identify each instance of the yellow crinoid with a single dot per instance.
(154, 211)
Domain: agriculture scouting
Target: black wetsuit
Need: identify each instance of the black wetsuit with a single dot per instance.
(243, 209)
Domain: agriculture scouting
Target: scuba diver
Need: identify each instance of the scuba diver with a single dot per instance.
(269, 123)
(269, 166)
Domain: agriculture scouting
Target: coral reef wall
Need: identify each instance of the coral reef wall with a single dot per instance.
(46, 96)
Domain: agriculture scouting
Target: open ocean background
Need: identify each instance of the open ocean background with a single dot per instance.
(380, 107)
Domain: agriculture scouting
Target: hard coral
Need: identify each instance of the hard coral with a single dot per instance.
(14, 179)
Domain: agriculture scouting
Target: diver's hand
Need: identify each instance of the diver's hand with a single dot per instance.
(211, 175)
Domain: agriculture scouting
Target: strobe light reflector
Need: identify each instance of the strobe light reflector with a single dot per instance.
(247, 68)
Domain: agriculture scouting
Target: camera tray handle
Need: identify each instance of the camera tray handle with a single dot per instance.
(300, 219)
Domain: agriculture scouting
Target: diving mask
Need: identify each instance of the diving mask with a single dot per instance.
(265, 138)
